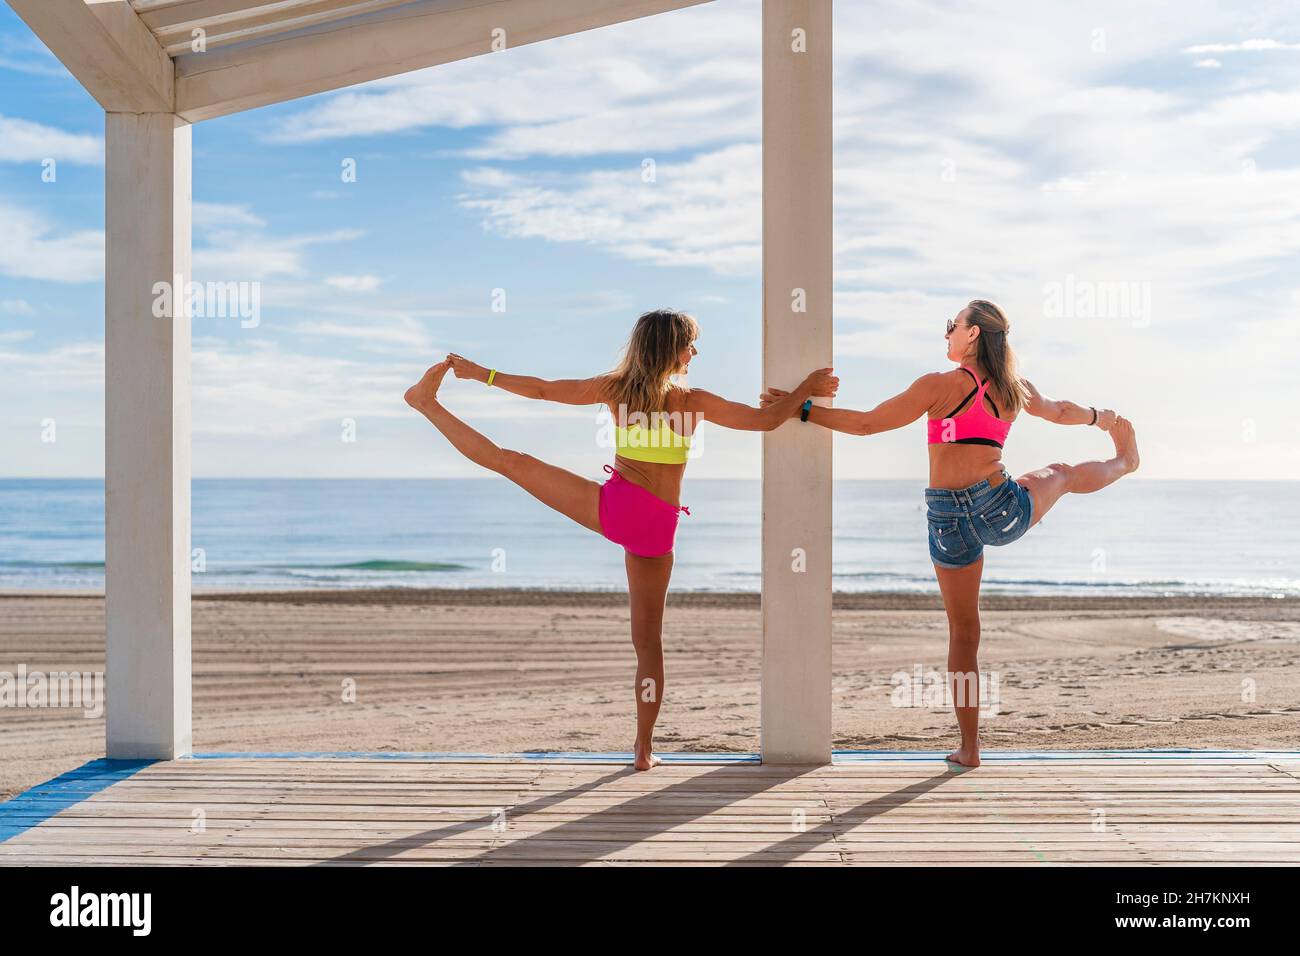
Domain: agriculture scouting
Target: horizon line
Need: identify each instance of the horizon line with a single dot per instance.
(1130, 478)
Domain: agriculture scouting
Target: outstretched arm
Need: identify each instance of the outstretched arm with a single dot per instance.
(566, 391)
(902, 409)
(729, 414)
(1065, 413)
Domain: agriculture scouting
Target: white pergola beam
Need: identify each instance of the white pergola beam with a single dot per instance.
(147, 436)
(106, 47)
(416, 35)
(795, 715)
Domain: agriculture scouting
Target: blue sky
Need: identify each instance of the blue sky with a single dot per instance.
(1007, 151)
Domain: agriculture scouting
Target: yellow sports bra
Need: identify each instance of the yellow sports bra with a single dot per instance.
(663, 445)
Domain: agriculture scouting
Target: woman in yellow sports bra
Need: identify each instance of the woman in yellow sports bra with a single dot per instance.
(639, 504)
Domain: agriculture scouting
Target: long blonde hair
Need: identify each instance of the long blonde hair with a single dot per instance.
(996, 357)
(653, 355)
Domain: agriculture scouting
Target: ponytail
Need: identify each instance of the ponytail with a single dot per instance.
(996, 357)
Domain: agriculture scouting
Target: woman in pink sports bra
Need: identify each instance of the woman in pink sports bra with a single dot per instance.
(972, 501)
(638, 506)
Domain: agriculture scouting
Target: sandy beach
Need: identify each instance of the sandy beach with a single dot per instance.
(509, 670)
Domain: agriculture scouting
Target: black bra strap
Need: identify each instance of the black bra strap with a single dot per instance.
(969, 396)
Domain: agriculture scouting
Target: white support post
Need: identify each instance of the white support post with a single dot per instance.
(797, 286)
(147, 436)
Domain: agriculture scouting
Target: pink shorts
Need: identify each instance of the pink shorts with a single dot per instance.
(639, 520)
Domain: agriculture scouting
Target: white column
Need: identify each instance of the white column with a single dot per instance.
(147, 436)
(797, 281)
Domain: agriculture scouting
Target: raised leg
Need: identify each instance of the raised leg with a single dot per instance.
(647, 586)
(961, 599)
(1047, 485)
(567, 493)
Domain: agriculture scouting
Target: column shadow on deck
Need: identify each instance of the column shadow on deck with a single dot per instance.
(859, 814)
(656, 812)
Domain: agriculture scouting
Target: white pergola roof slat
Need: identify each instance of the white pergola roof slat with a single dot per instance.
(378, 43)
(224, 22)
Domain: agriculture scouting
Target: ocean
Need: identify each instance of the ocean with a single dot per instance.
(1137, 537)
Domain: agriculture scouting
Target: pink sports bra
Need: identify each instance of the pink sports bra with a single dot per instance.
(975, 426)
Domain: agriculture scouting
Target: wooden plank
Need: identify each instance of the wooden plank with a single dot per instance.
(345, 52)
(346, 814)
(106, 47)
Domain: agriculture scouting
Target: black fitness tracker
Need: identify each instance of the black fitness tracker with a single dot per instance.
(807, 407)
(1094, 416)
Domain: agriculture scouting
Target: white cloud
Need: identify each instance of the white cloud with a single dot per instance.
(16, 307)
(23, 53)
(233, 243)
(682, 80)
(366, 283)
(31, 248)
(1246, 46)
(230, 243)
(212, 215)
(22, 141)
(401, 334)
(248, 256)
(256, 387)
(77, 366)
(699, 212)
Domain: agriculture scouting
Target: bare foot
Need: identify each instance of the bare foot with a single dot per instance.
(645, 759)
(425, 392)
(1126, 446)
(966, 756)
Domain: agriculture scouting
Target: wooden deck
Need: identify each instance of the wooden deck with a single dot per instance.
(1131, 808)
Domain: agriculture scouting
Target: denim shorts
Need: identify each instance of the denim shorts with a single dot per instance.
(961, 521)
